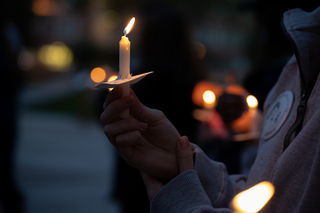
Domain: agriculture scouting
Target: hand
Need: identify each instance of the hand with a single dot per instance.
(185, 162)
(146, 139)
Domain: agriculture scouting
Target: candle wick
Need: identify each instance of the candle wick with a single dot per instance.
(125, 32)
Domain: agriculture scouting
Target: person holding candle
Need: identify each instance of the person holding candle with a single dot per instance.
(289, 147)
(13, 37)
(171, 59)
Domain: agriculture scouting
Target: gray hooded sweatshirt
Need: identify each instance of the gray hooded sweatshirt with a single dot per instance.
(289, 148)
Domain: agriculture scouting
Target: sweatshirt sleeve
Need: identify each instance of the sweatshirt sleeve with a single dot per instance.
(207, 188)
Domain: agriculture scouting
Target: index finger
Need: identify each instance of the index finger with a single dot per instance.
(112, 112)
(113, 95)
(185, 154)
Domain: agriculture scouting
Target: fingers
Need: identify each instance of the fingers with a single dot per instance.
(125, 132)
(184, 154)
(129, 139)
(115, 108)
(122, 133)
(143, 113)
(152, 184)
(113, 95)
(114, 105)
(122, 126)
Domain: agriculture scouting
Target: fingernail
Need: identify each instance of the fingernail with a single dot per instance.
(184, 142)
(143, 142)
(143, 126)
(128, 99)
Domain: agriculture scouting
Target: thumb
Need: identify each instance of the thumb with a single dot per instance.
(184, 154)
(141, 112)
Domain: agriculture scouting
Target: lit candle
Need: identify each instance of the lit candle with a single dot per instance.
(254, 115)
(208, 99)
(252, 103)
(124, 79)
(124, 62)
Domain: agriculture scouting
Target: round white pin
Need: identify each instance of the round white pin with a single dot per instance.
(277, 114)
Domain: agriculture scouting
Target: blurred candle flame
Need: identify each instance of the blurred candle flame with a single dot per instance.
(128, 28)
(200, 88)
(112, 78)
(208, 97)
(253, 199)
(56, 57)
(252, 101)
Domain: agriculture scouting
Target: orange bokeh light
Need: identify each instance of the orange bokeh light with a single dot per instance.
(253, 199)
(201, 88)
(42, 7)
(98, 75)
(112, 78)
(235, 89)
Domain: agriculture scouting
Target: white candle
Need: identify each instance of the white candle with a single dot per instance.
(124, 62)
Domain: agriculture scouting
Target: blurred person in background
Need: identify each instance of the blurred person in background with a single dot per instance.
(223, 148)
(13, 28)
(166, 47)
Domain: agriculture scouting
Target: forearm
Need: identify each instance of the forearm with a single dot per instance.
(184, 194)
(208, 188)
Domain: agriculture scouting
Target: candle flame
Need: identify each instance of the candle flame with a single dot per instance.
(209, 97)
(253, 199)
(128, 28)
(252, 101)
